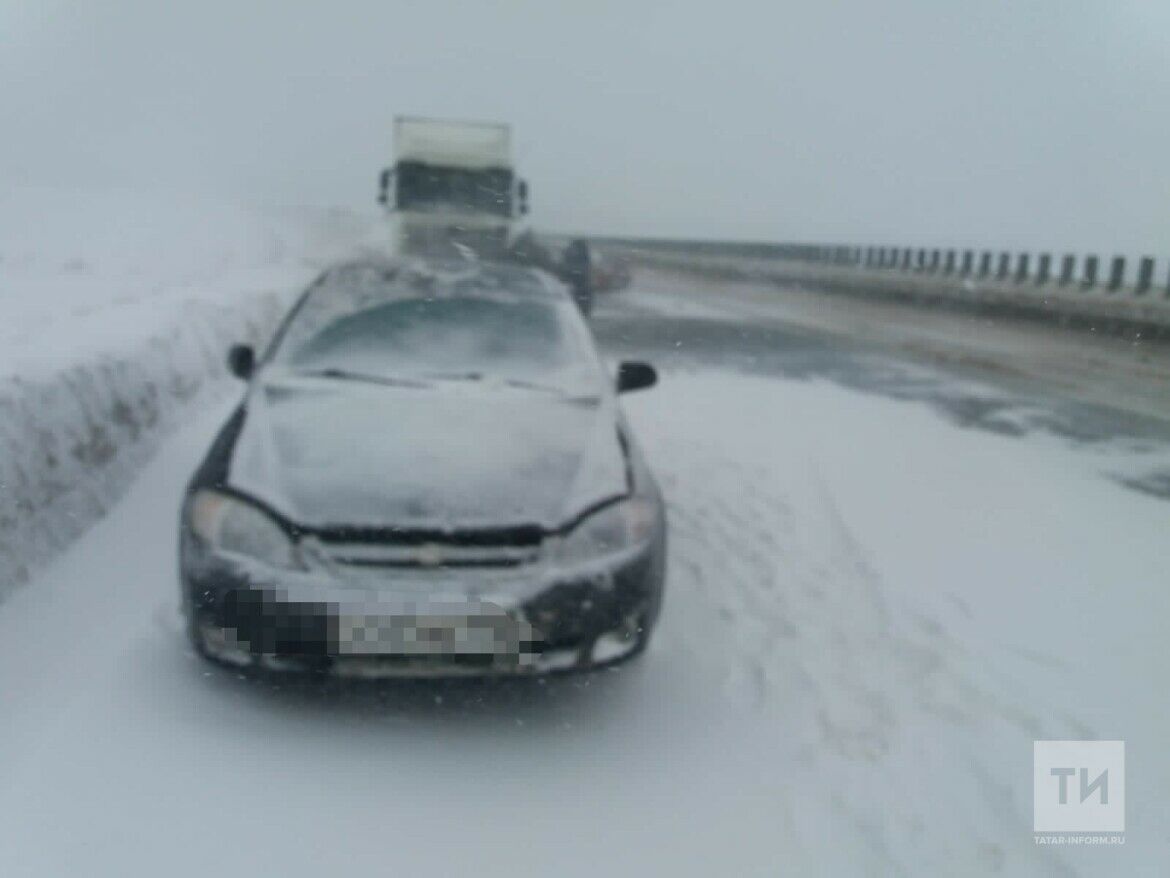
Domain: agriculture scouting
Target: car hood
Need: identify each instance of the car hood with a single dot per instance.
(329, 453)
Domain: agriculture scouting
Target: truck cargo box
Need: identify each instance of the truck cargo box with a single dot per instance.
(448, 143)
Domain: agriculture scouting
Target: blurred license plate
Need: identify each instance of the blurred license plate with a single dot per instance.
(426, 635)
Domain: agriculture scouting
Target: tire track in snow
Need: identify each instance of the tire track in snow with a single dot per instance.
(773, 591)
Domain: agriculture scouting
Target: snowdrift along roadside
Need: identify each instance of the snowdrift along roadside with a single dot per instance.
(115, 311)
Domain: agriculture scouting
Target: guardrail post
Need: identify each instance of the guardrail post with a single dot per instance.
(1089, 278)
(1068, 264)
(1043, 267)
(1116, 273)
(1005, 261)
(933, 261)
(1145, 276)
(1022, 268)
(968, 263)
(985, 263)
(949, 263)
(920, 265)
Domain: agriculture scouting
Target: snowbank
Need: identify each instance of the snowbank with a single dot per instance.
(114, 312)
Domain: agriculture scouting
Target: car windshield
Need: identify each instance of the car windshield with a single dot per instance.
(480, 328)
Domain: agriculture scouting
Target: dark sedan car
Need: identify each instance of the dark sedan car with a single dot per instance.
(429, 474)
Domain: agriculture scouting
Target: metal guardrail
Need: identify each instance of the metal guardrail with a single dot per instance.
(1137, 275)
(986, 282)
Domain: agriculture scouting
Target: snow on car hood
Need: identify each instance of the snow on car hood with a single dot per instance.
(329, 453)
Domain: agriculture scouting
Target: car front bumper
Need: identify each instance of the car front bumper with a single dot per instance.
(410, 623)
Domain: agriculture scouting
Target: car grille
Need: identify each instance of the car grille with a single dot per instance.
(429, 555)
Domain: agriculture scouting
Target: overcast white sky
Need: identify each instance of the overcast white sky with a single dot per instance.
(936, 121)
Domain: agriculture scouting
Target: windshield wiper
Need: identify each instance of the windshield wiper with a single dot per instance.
(510, 382)
(536, 385)
(453, 376)
(347, 375)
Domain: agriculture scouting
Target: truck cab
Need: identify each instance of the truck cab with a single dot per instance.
(452, 182)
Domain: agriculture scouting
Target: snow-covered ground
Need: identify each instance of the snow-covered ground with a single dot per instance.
(886, 580)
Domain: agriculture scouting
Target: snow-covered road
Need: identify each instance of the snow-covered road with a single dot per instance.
(886, 580)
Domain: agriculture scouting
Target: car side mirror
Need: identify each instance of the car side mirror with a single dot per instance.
(633, 375)
(242, 361)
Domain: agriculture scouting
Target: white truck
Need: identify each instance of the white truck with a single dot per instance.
(452, 181)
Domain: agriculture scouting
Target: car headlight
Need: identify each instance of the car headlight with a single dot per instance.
(610, 531)
(234, 527)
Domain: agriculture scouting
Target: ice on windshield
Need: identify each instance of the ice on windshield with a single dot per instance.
(479, 326)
